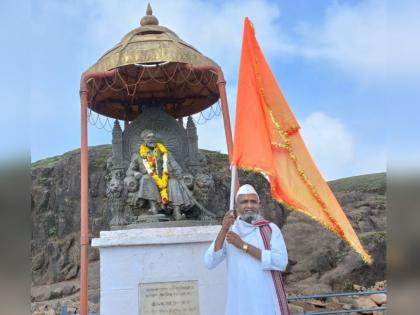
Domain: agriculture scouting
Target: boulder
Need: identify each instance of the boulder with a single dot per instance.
(378, 298)
(363, 303)
(296, 309)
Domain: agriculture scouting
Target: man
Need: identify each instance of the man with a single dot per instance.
(256, 253)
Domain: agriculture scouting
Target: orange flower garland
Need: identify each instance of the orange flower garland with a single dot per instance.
(149, 161)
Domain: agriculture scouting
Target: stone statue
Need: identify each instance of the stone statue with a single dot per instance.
(156, 172)
(114, 194)
(160, 178)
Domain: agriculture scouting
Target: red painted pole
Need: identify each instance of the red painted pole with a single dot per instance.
(221, 83)
(84, 190)
(229, 139)
(84, 212)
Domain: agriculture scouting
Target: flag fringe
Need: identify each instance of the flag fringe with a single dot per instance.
(367, 259)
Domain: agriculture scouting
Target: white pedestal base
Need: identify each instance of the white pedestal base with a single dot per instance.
(158, 255)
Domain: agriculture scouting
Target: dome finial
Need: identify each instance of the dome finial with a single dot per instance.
(149, 9)
(149, 18)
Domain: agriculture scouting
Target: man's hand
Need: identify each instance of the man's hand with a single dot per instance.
(234, 239)
(228, 220)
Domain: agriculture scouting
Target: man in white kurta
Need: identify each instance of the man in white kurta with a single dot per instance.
(251, 289)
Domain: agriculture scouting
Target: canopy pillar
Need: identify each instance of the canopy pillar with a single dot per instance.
(84, 188)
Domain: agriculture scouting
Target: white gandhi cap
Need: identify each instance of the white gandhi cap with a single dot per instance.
(246, 190)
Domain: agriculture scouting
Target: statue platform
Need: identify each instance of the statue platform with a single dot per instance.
(163, 224)
(160, 270)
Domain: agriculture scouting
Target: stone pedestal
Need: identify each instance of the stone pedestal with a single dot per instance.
(160, 271)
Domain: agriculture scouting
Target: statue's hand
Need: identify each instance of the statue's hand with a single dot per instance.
(137, 175)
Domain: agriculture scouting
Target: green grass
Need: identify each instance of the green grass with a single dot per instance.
(52, 161)
(367, 183)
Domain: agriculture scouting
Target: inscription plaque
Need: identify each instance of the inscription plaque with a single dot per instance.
(169, 298)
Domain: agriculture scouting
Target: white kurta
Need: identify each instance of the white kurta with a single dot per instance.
(250, 284)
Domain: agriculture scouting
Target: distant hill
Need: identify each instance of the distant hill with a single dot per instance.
(375, 183)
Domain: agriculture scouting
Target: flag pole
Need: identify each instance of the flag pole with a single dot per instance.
(233, 186)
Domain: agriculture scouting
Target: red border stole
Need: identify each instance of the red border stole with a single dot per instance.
(265, 230)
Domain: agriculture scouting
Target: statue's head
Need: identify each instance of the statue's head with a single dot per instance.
(149, 138)
(204, 188)
(115, 187)
(204, 185)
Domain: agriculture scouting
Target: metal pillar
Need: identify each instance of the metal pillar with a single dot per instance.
(84, 189)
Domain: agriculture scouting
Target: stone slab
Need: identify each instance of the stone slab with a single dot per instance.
(166, 298)
(148, 236)
(164, 224)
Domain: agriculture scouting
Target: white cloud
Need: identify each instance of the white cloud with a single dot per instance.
(373, 40)
(336, 151)
(351, 37)
(329, 142)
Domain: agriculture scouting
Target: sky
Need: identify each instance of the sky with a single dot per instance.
(348, 69)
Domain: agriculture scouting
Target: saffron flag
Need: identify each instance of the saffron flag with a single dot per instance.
(267, 140)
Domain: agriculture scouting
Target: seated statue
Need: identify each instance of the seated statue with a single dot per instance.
(160, 178)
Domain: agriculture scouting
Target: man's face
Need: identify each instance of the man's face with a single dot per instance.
(248, 207)
(150, 140)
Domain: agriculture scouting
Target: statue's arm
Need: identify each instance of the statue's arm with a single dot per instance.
(174, 169)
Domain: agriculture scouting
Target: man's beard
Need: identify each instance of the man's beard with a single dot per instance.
(249, 216)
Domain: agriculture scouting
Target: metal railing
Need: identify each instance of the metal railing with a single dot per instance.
(330, 295)
(63, 311)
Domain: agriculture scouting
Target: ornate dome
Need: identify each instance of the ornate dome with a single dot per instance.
(154, 65)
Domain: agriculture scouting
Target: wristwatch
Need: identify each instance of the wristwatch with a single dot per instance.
(245, 247)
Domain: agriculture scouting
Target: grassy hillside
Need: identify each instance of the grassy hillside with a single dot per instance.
(367, 183)
(104, 150)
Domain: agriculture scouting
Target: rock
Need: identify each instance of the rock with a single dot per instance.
(380, 285)
(378, 298)
(68, 289)
(94, 308)
(34, 307)
(56, 293)
(358, 288)
(317, 303)
(366, 226)
(345, 299)
(296, 309)
(346, 306)
(94, 295)
(363, 303)
(50, 311)
(40, 295)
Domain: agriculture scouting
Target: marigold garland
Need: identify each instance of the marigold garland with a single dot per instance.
(149, 159)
